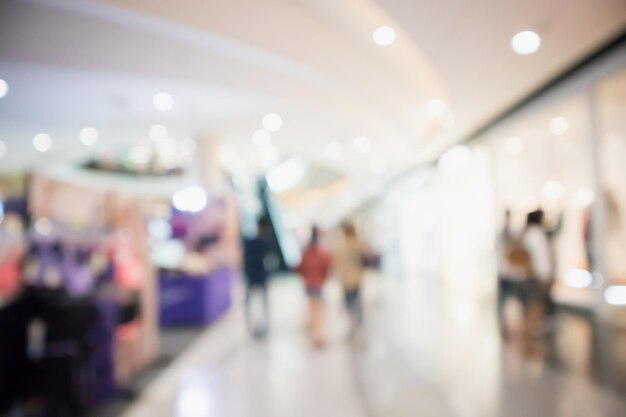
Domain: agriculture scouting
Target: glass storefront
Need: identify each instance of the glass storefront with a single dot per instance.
(611, 98)
(565, 153)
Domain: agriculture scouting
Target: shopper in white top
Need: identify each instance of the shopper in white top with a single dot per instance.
(536, 241)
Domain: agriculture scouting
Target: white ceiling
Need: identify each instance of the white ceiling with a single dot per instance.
(77, 63)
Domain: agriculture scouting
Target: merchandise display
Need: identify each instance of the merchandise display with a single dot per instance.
(195, 278)
(75, 300)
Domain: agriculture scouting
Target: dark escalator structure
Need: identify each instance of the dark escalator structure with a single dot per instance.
(284, 245)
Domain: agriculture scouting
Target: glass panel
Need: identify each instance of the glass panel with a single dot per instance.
(612, 112)
(543, 160)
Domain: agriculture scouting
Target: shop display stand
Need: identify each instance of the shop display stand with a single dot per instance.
(187, 300)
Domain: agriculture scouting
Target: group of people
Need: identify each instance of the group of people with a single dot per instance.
(527, 270)
(348, 259)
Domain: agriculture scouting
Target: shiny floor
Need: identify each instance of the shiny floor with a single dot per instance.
(422, 352)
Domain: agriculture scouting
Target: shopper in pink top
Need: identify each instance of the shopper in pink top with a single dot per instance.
(314, 268)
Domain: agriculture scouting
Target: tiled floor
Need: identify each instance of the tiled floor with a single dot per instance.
(423, 352)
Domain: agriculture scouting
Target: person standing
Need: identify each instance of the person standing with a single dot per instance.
(536, 241)
(255, 251)
(314, 268)
(504, 244)
(349, 262)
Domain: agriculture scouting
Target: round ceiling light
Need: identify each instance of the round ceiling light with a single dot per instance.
(558, 126)
(552, 191)
(191, 199)
(334, 150)
(3, 149)
(163, 102)
(384, 36)
(88, 136)
(361, 144)
(158, 132)
(42, 142)
(4, 88)
(272, 122)
(526, 43)
(261, 137)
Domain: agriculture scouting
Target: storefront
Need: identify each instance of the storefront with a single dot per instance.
(564, 152)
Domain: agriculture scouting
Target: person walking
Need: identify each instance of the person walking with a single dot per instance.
(314, 268)
(255, 251)
(349, 263)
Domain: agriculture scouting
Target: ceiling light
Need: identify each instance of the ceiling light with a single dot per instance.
(361, 144)
(261, 137)
(3, 149)
(163, 102)
(191, 199)
(526, 43)
(42, 142)
(559, 126)
(384, 36)
(88, 136)
(158, 132)
(552, 191)
(287, 174)
(272, 122)
(436, 107)
(616, 295)
(334, 150)
(378, 166)
(4, 88)
(514, 146)
(578, 278)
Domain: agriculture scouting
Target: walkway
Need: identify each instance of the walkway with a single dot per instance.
(423, 353)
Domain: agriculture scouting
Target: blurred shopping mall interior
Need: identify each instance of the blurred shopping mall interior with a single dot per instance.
(280, 208)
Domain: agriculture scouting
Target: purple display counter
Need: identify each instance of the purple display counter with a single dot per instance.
(185, 299)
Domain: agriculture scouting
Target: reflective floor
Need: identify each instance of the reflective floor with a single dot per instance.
(423, 351)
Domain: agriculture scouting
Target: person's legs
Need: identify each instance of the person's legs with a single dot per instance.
(316, 316)
(261, 290)
(247, 306)
(266, 308)
(358, 308)
(353, 305)
(504, 290)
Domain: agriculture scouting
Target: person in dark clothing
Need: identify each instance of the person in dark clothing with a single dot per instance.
(255, 251)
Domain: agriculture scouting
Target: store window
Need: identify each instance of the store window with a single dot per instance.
(543, 160)
(611, 99)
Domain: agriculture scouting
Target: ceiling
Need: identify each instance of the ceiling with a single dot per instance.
(76, 63)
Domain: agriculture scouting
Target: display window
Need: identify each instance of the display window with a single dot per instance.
(611, 99)
(543, 161)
